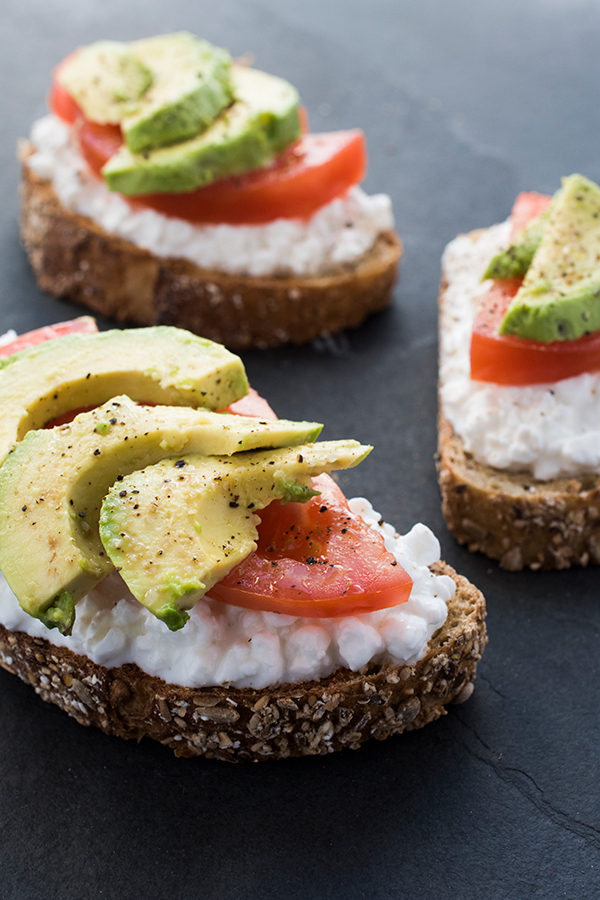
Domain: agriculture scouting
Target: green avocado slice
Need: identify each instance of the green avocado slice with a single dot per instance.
(515, 261)
(248, 135)
(559, 299)
(106, 80)
(191, 84)
(155, 365)
(160, 90)
(53, 483)
(173, 530)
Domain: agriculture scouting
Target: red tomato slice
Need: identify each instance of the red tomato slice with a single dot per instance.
(85, 324)
(251, 405)
(318, 168)
(316, 559)
(97, 143)
(507, 360)
(288, 573)
(60, 101)
(527, 206)
(67, 417)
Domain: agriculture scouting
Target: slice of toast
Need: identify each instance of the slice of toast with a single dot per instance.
(75, 258)
(513, 517)
(235, 724)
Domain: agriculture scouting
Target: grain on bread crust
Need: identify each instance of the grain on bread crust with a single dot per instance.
(236, 724)
(75, 258)
(513, 517)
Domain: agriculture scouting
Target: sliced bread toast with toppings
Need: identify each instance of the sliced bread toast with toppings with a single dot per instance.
(244, 724)
(513, 517)
(73, 257)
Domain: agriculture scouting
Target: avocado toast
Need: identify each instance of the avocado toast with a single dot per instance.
(518, 431)
(170, 186)
(273, 617)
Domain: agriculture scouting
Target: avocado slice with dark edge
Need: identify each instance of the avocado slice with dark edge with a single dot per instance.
(515, 261)
(155, 365)
(191, 84)
(248, 135)
(106, 80)
(177, 528)
(160, 90)
(559, 299)
(53, 483)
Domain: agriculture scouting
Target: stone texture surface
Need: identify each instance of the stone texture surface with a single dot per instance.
(463, 104)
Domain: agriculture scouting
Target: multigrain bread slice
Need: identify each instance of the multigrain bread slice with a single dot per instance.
(512, 517)
(236, 724)
(75, 258)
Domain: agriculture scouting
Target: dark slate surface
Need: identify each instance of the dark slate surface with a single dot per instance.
(464, 104)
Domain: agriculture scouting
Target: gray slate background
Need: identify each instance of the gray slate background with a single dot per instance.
(464, 104)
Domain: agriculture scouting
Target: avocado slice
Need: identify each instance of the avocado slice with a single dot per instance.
(559, 299)
(155, 365)
(160, 90)
(106, 79)
(173, 530)
(515, 261)
(191, 84)
(53, 483)
(248, 135)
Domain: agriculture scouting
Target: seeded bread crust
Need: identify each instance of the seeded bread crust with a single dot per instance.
(75, 258)
(237, 724)
(514, 518)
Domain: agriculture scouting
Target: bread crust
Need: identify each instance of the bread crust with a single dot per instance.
(75, 258)
(236, 724)
(513, 517)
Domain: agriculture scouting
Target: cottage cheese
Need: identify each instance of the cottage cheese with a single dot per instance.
(223, 644)
(340, 232)
(550, 430)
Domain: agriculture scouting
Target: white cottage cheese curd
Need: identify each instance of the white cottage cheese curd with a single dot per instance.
(339, 232)
(551, 430)
(223, 644)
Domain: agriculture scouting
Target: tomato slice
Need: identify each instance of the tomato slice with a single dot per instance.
(97, 143)
(251, 405)
(315, 559)
(318, 560)
(60, 101)
(508, 360)
(83, 324)
(526, 207)
(318, 168)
